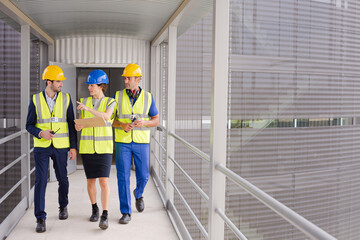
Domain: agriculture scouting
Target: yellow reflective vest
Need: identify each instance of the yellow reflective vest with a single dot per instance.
(96, 139)
(46, 120)
(125, 112)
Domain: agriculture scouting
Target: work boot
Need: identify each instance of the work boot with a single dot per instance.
(63, 213)
(40, 226)
(125, 219)
(139, 203)
(104, 222)
(95, 213)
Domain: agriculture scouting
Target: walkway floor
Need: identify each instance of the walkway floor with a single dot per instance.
(153, 223)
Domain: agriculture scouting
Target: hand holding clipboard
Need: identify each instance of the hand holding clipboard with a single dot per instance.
(91, 122)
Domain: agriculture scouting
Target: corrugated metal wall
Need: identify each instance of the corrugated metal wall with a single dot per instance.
(100, 50)
(104, 50)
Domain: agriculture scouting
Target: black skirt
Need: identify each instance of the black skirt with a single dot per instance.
(97, 165)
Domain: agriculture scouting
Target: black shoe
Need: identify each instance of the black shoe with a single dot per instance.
(125, 219)
(63, 213)
(95, 214)
(104, 222)
(139, 203)
(41, 226)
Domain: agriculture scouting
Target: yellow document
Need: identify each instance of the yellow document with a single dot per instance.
(91, 122)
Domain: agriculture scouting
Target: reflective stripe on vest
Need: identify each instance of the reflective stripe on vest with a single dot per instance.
(124, 113)
(54, 121)
(96, 139)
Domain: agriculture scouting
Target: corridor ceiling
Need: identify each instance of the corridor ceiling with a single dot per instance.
(138, 19)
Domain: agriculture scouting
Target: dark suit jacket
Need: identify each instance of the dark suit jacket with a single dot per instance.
(31, 121)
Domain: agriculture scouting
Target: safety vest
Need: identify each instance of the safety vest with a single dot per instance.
(56, 120)
(125, 113)
(96, 139)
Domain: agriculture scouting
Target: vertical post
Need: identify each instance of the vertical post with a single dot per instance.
(51, 53)
(158, 100)
(171, 91)
(44, 61)
(153, 91)
(25, 96)
(50, 58)
(219, 105)
(158, 90)
(158, 97)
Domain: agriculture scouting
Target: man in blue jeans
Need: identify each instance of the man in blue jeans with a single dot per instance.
(136, 112)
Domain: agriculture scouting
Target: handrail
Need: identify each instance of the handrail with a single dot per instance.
(304, 225)
(157, 159)
(191, 147)
(230, 224)
(4, 169)
(162, 127)
(194, 149)
(192, 214)
(13, 189)
(159, 185)
(163, 148)
(197, 188)
(12, 136)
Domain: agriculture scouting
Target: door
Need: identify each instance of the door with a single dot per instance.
(116, 81)
(68, 87)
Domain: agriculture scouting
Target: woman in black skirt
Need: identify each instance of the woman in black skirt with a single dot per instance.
(96, 143)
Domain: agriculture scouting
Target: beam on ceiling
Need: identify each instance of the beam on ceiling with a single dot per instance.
(173, 20)
(17, 15)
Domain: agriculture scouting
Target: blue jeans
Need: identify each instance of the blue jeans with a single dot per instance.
(124, 152)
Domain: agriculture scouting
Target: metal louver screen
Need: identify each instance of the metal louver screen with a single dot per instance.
(193, 111)
(293, 114)
(10, 79)
(9, 115)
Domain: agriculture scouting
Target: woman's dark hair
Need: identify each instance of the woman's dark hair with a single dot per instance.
(103, 87)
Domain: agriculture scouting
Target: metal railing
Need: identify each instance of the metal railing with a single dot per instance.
(296, 220)
(13, 220)
(6, 195)
(188, 208)
(12, 136)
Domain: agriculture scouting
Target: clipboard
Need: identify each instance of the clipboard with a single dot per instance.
(91, 122)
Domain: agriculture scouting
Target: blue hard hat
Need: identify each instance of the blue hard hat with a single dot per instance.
(97, 77)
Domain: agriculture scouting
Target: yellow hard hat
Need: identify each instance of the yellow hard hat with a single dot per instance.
(132, 70)
(53, 73)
